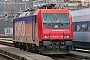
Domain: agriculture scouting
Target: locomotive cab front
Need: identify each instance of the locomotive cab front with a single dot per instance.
(56, 31)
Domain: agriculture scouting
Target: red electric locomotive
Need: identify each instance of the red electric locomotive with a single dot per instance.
(48, 31)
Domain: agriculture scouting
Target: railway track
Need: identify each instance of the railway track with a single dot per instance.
(68, 58)
(9, 42)
(5, 54)
(2, 57)
(64, 57)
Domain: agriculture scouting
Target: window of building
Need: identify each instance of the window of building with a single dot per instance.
(8, 31)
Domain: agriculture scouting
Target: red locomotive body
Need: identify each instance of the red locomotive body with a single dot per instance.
(48, 30)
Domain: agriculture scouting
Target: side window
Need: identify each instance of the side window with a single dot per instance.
(89, 26)
(84, 26)
(78, 26)
(81, 26)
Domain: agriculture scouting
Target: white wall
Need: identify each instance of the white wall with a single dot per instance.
(8, 31)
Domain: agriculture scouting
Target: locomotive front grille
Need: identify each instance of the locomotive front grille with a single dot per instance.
(56, 45)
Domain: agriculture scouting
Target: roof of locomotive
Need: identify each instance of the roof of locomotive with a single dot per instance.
(51, 11)
(28, 13)
(80, 12)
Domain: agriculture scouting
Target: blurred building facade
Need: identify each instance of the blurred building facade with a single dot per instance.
(77, 4)
(10, 8)
(70, 4)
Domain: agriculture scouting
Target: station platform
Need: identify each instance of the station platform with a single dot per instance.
(21, 55)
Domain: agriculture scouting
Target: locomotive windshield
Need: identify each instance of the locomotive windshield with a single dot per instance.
(55, 20)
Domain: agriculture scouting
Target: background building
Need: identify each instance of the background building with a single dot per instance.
(4, 26)
(70, 4)
(10, 8)
(8, 31)
(58, 3)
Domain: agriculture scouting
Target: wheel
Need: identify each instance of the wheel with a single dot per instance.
(20, 46)
(17, 44)
(14, 43)
(24, 46)
(36, 49)
(31, 46)
(28, 47)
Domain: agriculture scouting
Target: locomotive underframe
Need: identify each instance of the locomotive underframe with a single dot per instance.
(55, 47)
(47, 47)
(31, 37)
(57, 44)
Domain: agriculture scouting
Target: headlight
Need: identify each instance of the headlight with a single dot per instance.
(66, 36)
(46, 36)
